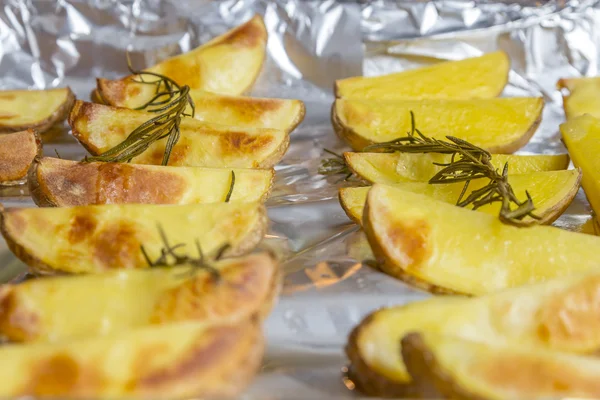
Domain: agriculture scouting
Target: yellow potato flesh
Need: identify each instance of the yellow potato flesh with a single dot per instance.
(479, 77)
(176, 361)
(69, 183)
(100, 128)
(406, 167)
(582, 97)
(551, 191)
(499, 125)
(247, 112)
(464, 369)
(228, 64)
(582, 138)
(444, 248)
(108, 303)
(99, 238)
(560, 314)
(21, 108)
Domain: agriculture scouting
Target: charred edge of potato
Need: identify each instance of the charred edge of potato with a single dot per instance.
(78, 111)
(382, 256)
(431, 380)
(42, 126)
(39, 153)
(367, 380)
(348, 135)
(554, 212)
(345, 208)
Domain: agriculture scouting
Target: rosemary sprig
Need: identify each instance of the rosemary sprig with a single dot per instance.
(170, 258)
(335, 166)
(230, 187)
(170, 102)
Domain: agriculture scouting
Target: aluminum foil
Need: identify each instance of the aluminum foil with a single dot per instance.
(311, 43)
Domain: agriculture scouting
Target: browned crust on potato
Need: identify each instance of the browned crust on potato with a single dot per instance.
(40, 194)
(96, 97)
(18, 149)
(57, 116)
(276, 156)
(253, 238)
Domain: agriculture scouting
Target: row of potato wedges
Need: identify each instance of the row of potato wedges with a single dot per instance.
(533, 331)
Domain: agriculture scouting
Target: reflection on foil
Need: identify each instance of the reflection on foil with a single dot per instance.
(327, 290)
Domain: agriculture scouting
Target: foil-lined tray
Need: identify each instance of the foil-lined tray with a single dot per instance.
(327, 290)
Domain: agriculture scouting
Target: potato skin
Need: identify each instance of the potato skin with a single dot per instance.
(20, 159)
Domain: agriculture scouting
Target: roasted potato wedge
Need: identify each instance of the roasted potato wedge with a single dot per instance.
(406, 167)
(447, 249)
(551, 191)
(472, 78)
(560, 314)
(99, 128)
(582, 96)
(43, 309)
(228, 64)
(34, 109)
(446, 367)
(100, 238)
(501, 125)
(182, 360)
(17, 152)
(581, 135)
(63, 183)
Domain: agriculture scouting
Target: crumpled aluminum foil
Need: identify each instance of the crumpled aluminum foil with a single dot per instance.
(311, 43)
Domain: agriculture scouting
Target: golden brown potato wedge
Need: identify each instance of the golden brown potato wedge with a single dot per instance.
(228, 64)
(100, 238)
(406, 167)
(115, 302)
(560, 314)
(581, 135)
(447, 367)
(63, 183)
(501, 125)
(99, 128)
(582, 97)
(472, 78)
(17, 152)
(447, 249)
(34, 109)
(551, 191)
(181, 360)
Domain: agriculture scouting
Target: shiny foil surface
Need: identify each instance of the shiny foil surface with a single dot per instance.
(327, 290)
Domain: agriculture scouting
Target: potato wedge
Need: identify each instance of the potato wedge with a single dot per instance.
(581, 135)
(501, 125)
(99, 128)
(582, 97)
(43, 309)
(446, 367)
(560, 314)
(182, 360)
(17, 152)
(406, 167)
(551, 191)
(446, 249)
(63, 183)
(228, 64)
(100, 238)
(472, 78)
(34, 109)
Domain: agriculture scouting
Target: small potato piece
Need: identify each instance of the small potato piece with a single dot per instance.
(100, 128)
(472, 78)
(560, 314)
(92, 239)
(17, 152)
(447, 249)
(181, 360)
(228, 64)
(408, 167)
(35, 309)
(582, 138)
(453, 368)
(34, 109)
(498, 125)
(551, 191)
(582, 97)
(63, 183)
